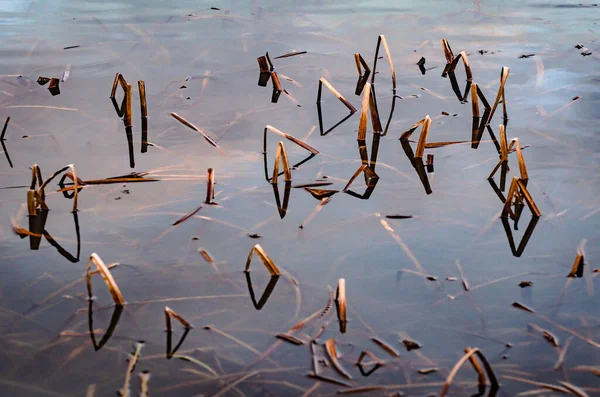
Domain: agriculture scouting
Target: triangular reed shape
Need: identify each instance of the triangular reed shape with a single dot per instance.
(501, 95)
(425, 124)
(377, 363)
(459, 364)
(333, 357)
(288, 137)
(361, 62)
(371, 179)
(340, 301)
(322, 130)
(172, 350)
(578, 265)
(518, 251)
(262, 255)
(339, 96)
(505, 151)
(114, 321)
(281, 154)
(265, 295)
(320, 194)
(170, 313)
(381, 40)
(108, 279)
(37, 224)
(36, 198)
(282, 207)
(517, 188)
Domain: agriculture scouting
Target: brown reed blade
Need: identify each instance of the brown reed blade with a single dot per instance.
(193, 127)
(187, 216)
(484, 100)
(381, 40)
(339, 96)
(433, 145)
(364, 111)
(127, 117)
(266, 260)
(423, 138)
(465, 284)
(447, 51)
(4, 128)
(276, 82)
(143, 104)
(333, 357)
(481, 379)
(113, 91)
(375, 121)
(281, 154)
(320, 194)
(210, 187)
(578, 265)
(31, 203)
(108, 279)
(263, 64)
(407, 134)
(520, 159)
(144, 380)
(549, 336)
(290, 54)
(53, 87)
(357, 62)
(289, 338)
(500, 95)
(459, 364)
(474, 100)
(289, 138)
(521, 306)
(341, 304)
(361, 169)
(122, 82)
(171, 313)
(390, 350)
(463, 56)
(528, 199)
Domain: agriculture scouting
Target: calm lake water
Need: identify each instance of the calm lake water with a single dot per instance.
(402, 277)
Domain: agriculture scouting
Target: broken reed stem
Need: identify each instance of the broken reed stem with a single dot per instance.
(381, 40)
(144, 380)
(518, 187)
(281, 154)
(4, 128)
(520, 160)
(577, 268)
(341, 302)
(128, 111)
(364, 111)
(266, 260)
(108, 279)
(210, 187)
(474, 100)
(133, 359)
(263, 64)
(289, 138)
(423, 137)
(447, 51)
(193, 127)
(480, 374)
(113, 92)
(333, 357)
(339, 96)
(143, 105)
(500, 95)
(460, 363)
(171, 313)
(276, 82)
(31, 203)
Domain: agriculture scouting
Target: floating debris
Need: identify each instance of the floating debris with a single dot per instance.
(53, 86)
(526, 56)
(291, 54)
(525, 284)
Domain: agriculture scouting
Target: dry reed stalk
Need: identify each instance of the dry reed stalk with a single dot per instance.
(459, 364)
(320, 194)
(364, 111)
(281, 154)
(187, 216)
(4, 128)
(210, 187)
(276, 82)
(423, 138)
(521, 306)
(333, 357)
(518, 187)
(481, 379)
(463, 56)
(361, 62)
(563, 353)
(375, 120)
(193, 127)
(143, 104)
(339, 96)
(360, 169)
(447, 51)
(500, 95)
(127, 117)
(113, 91)
(474, 100)
(290, 54)
(263, 64)
(171, 313)
(144, 380)
(381, 40)
(341, 303)
(575, 390)
(366, 353)
(133, 359)
(31, 203)
(465, 284)
(108, 279)
(288, 137)
(503, 156)
(433, 145)
(578, 265)
(549, 336)
(520, 159)
(390, 350)
(269, 264)
(289, 338)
